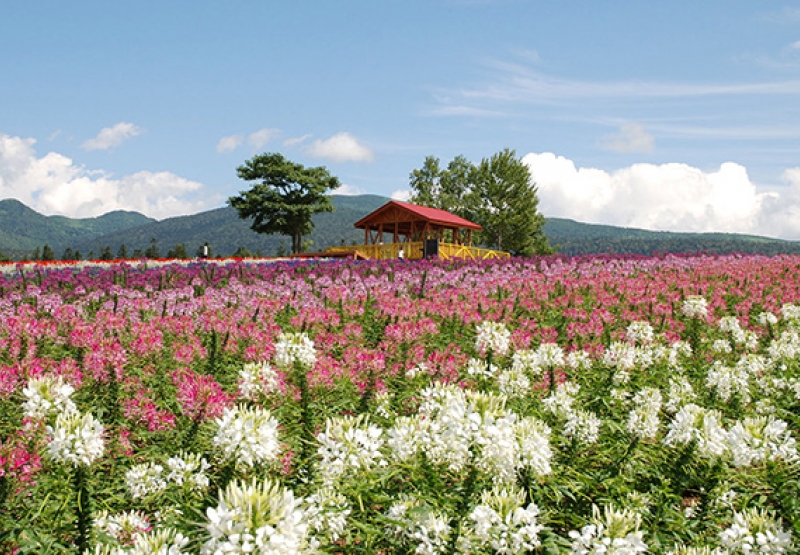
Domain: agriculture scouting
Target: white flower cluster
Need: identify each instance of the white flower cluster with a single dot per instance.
(680, 393)
(695, 306)
(767, 318)
(46, 395)
(294, 348)
(549, 355)
(731, 325)
(255, 379)
(261, 518)
(493, 337)
(581, 425)
(643, 420)
(349, 444)
(729, 381)
(247, 436)
(640, 332)
(416, 523)
(189, 469)
(454, 428)
(786, 346)
(759, 439)
(693, 423)
(501, 524)
(791, 312)
(75, 439)
(754, 531)
(165, 541)
(122, 527)
(326, 512)
(613, 533)
(145, 479)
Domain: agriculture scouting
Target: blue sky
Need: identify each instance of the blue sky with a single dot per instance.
(666, 115)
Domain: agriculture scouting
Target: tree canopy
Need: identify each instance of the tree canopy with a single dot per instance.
(284, 197)
(497, 194)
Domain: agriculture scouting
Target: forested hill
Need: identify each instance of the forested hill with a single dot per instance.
(23, 231)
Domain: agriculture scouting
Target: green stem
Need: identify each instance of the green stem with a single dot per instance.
(83, 509)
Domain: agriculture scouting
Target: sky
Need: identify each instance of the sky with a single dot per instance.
(680, 115)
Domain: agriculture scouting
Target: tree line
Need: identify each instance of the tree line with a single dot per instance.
(497, 194)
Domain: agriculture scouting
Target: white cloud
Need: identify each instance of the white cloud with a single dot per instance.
(261, 137)
(402, 195)
(348, 191)
(229, 143)
(110, 137)
(669, 197)
(631, 138)
(342, 147)
(53, 184)
(296, 140)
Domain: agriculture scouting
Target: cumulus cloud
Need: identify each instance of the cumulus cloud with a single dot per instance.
(261, 137)
(109, 137)
(348, 190)
(631, 138)
(53, 184)
(230, 143)
(342, 147)
(402, 195)
(292, 141)
(669, 197)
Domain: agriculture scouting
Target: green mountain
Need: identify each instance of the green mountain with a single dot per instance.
(23, 230)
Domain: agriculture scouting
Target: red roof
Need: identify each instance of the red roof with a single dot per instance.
(432, 215)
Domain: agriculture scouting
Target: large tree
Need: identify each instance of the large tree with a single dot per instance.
(284, 197)
(498, 194)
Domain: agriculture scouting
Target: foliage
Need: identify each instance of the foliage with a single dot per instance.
(496, 194)
(284, 197)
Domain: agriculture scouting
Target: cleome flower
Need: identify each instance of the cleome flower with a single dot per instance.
(695, 306)
(255, 379)
(419, 526)
(755, 531)
(259, 517)
(247, 436)
(758, 439)
(493, 337)
(615, 532)
(349, 444)
(46, 395)
(501, 523)
(294, 348)
(693, 423)
(76, 439)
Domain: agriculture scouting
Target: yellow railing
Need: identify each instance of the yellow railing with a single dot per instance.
(413, 251)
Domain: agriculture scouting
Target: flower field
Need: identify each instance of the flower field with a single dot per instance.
(552, 405)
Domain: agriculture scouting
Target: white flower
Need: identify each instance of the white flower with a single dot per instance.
(582, 426)
(643, 420)
(514, 383)
(122, 527)
(767, 319)
(261, 518)
(493, 337)
(326, 512)
(145, 479)
(549, 355)
(729, 381)
(257, 378)
(348, 445)
(755, 531)
(533, 438)
(295, 347)
(694, 423)
(790, 312)
(478, 367)
(639, 332)
(402, 437)
(561, 400)
(695, 306)
(189, 468)
(76, 439)
(613, 533)
(46, 395)
(247, 436)
(502, 524)
(759, 439)
(621, 356)
(418, 525)
(526, 362)
(680, 391)
(579, 360)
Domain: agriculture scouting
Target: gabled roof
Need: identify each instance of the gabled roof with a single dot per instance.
(433, 215)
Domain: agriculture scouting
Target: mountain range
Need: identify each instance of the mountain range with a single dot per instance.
(24, 232)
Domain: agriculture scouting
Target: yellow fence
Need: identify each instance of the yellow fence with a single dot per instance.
(413, 251)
